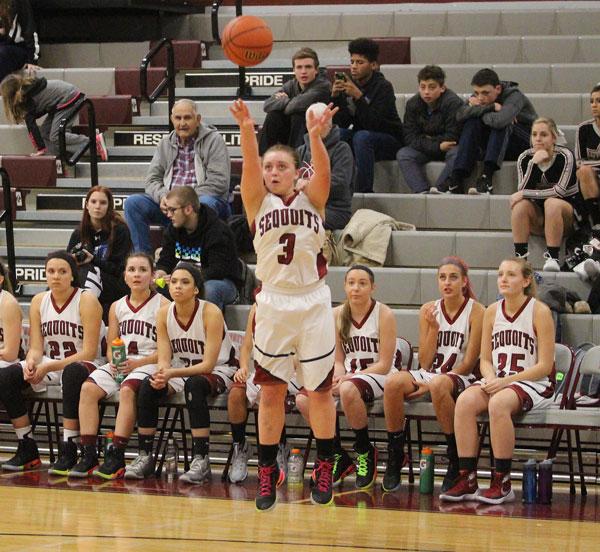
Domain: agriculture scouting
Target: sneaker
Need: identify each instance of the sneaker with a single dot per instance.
(199, 471)
(366, 468)
(393, 471)
(67, 458)
(87, 464)
(238, 470)
(322, 492)
(500, 490)
(26, 457)
(269, 478)
(465, 488)
(450, 477)
(101, 147)
(114, 464)
(550, 265)
(591, 269)
(482, 186)
(451, 186)
(343, 466)
(143, 466)
(283, 455)
(434, 191)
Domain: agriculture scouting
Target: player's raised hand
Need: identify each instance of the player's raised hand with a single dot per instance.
(241, 114)
(316, 124)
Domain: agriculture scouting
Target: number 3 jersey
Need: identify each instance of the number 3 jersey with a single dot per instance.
(453, 336)
(137, 325)
(288, 241)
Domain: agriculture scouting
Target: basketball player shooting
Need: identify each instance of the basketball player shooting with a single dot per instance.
(294, 318)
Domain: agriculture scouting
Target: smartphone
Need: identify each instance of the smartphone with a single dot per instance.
(340, 76)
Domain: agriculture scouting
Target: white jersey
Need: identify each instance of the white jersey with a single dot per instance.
(288, 241)
(187, 342)
(452, 337)
(362, 347)
(137, 325)
(3, 297)
(62, 328)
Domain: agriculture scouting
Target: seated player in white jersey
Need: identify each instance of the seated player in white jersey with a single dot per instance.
(195, 355)
(245, 394)
(293, 310)
(11, 321)
(365, 356)
(517, 368)
(449, 344)
(65, 329)
(133, 319)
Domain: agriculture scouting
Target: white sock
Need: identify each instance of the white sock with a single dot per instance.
(70, 434)
(23, 432)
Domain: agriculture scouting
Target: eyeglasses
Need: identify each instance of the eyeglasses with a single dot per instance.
(171, 210)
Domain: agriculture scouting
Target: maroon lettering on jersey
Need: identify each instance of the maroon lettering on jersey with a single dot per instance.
(450, 338)
(513, 338)
(187, 345)
(137, 327)
(361, 344)
(278, 218)
(62, 328)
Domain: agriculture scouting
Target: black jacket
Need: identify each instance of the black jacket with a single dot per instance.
(375, 110)
(424, 130)
(22, 30)
(211, 247)
(298, 100)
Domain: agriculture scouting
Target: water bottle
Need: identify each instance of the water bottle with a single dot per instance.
(426, 469)
(295, 475)
(119, 355)
(529, 481)
(171, 460)
(544, 490)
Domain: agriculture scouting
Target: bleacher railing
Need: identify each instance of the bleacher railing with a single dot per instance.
(6, 217)
(91, 142)
(243, 91)
(167, 82)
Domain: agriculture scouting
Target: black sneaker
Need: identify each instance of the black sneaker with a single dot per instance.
(366, 468)
(343, 466)
(482, 186)
(322, 492)
(26, 457)
(87, 464)
(67, 458)
(451, 185)
(450, 477)
(393, 471)
(114, 464)
(269, 478)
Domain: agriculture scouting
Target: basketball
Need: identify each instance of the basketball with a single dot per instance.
(247, 40)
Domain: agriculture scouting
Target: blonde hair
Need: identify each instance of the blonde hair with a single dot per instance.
(527, 272)
(13, 89)
(344, 320)
(550, 123)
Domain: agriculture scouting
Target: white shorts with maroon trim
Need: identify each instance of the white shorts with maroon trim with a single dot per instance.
(295, 325)
(459, 381)
(103, 377)
(220, 379)
(530, 396)
(55, 378)
(253, 389)
(370, 386)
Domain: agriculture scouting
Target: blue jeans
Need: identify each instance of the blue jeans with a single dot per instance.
(412, 161)
(492, 145)
(141, 211)
(220, 292)
(369, 146)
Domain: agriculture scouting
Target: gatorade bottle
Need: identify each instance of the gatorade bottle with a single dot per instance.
(295, 475)
(426, 468)
(119, 355)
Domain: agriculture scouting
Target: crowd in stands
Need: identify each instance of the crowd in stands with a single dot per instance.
(198, 272)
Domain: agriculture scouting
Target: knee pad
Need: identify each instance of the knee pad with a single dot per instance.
(197, 389)
(11, 386)
(73, 376)
(147, 404)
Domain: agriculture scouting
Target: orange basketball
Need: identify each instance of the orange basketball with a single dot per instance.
(247, 40)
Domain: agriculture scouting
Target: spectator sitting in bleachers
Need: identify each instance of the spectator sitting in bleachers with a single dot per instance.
(367, 102)
(195, 155)
(547, 201)
(27, 98)
(197, 236)
(587, 157)
(286, 108)
(100, 245)
(19, 47)
(338, 209)
(431, 130)
(497, 121)
(449, 344)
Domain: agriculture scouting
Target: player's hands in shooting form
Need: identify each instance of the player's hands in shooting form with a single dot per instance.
(315, 124)
(241, 114)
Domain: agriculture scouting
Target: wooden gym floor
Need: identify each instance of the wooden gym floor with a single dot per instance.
(49, 513)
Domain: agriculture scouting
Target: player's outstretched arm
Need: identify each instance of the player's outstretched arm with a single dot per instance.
(252, 186)
(317, 189)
